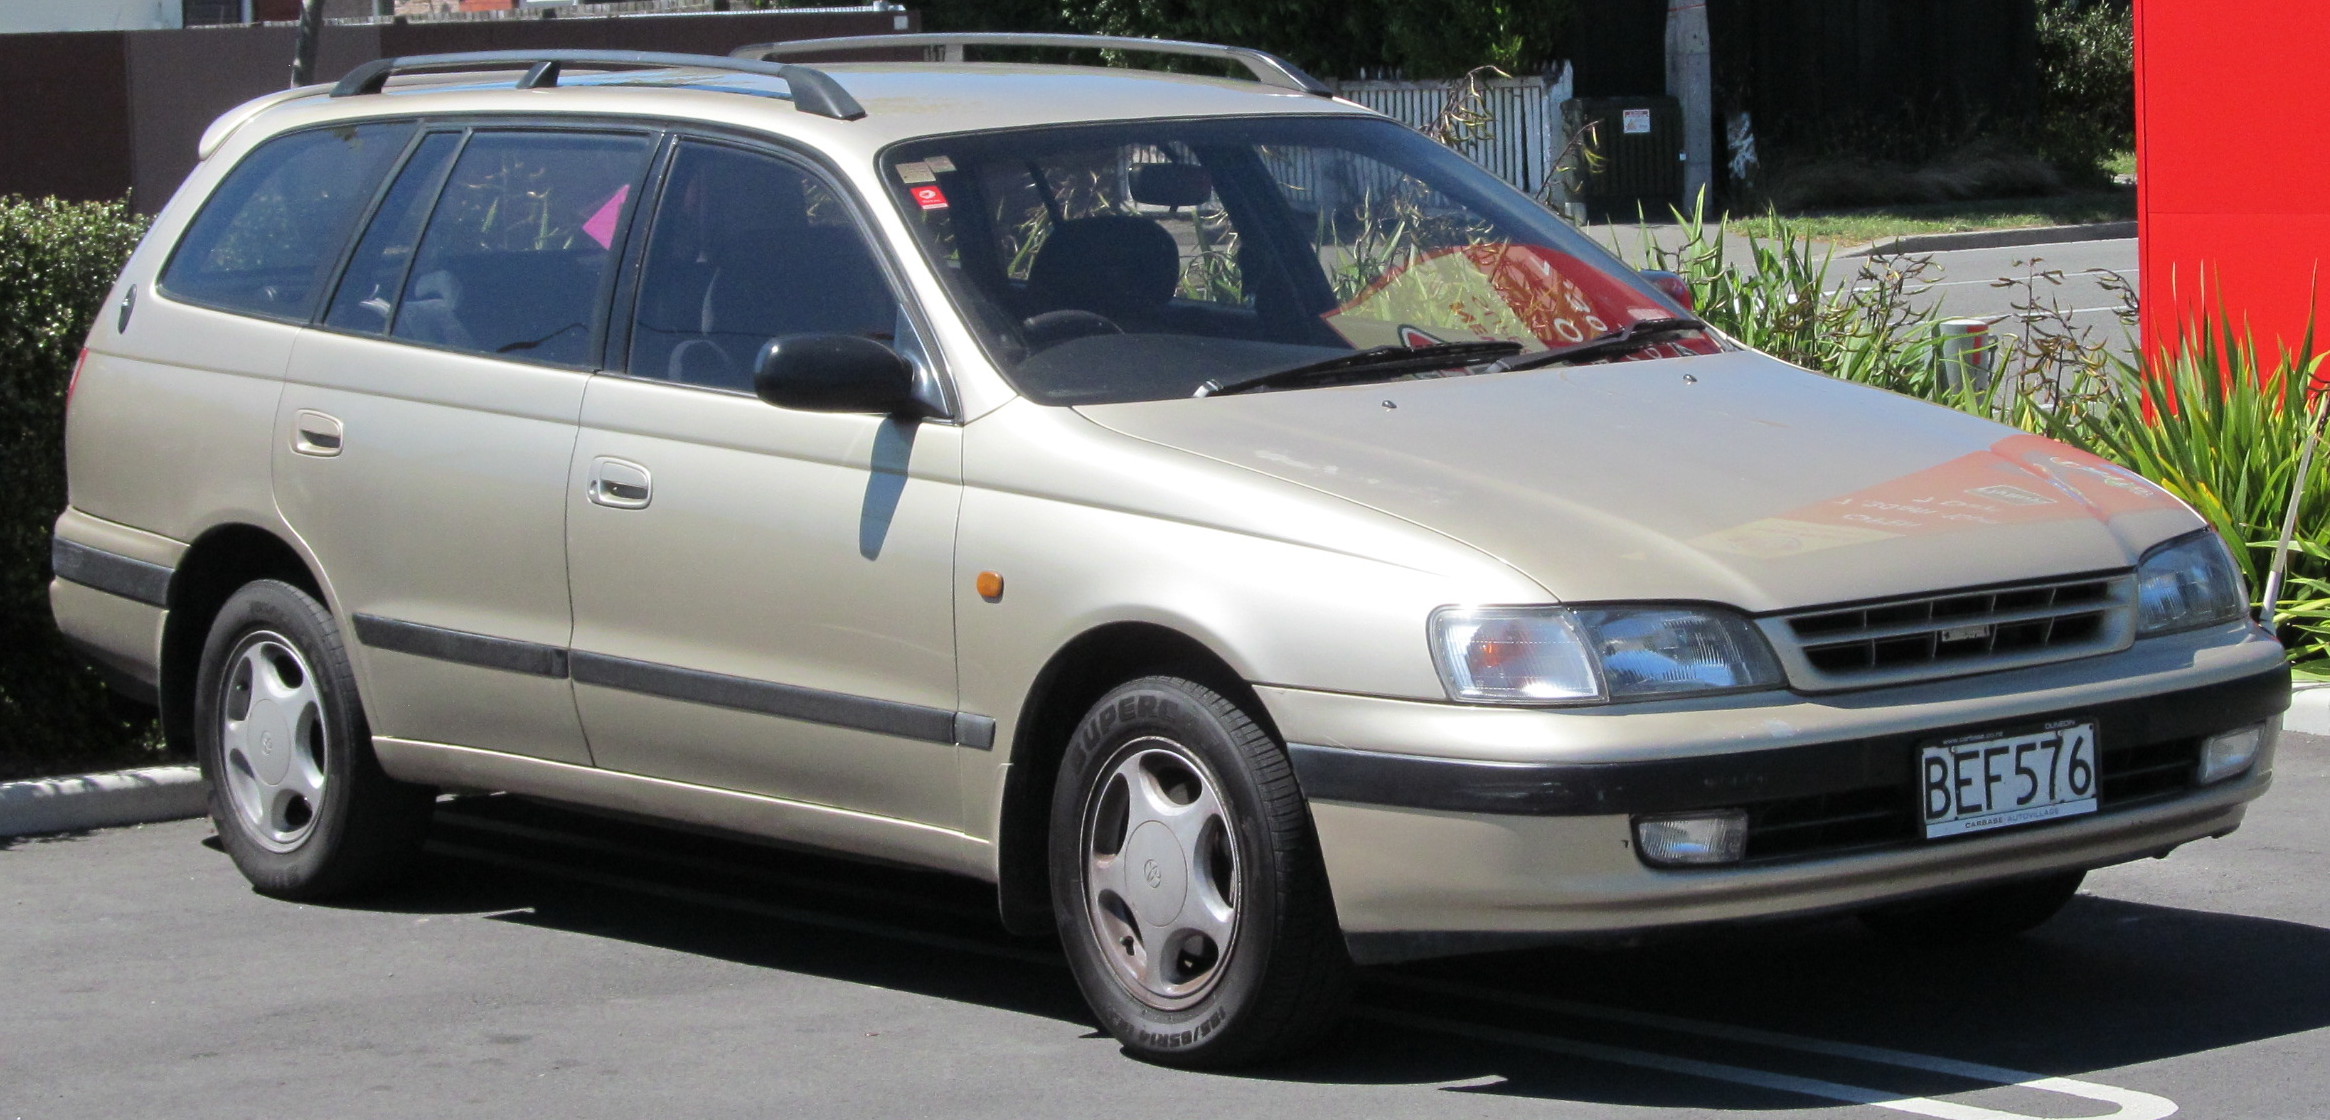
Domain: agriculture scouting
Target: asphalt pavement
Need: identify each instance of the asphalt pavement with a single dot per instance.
(2071, 277)
(548, 963)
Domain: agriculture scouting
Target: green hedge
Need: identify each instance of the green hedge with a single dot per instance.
(2087, 79)
(57, 260)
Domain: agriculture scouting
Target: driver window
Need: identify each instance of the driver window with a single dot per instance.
(747, 247)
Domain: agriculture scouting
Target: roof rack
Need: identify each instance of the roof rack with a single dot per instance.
(813, 90)
(1266, 67)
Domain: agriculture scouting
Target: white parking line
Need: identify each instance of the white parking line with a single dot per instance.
(2068, 276)
(1691, 1067)
(2129, 1103)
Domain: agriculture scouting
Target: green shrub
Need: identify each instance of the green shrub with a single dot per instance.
(2087, 84)
(57, 260)
(1780, 301)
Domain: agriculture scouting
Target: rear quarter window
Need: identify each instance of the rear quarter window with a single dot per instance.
(266, 239)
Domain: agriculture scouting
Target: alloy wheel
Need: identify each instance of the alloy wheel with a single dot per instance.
(1161, 873)
(273, 738)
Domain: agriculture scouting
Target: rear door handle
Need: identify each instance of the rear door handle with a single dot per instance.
(315, 433)
(620, 484)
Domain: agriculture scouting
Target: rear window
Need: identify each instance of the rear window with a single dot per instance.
(267, 238)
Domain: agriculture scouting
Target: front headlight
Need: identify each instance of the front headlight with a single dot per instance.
(2188, 583)
(1591, 655)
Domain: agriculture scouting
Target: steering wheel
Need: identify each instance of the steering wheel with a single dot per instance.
(1055, 327)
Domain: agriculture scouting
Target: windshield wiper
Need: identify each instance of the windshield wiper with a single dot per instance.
(1379, 361)
(1631, 337)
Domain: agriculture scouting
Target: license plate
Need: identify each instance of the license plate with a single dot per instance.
(1970, 785)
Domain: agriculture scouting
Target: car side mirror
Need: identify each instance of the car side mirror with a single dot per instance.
(1676, 286)
(836, 373)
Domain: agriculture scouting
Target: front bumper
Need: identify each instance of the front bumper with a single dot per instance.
(1524, 833)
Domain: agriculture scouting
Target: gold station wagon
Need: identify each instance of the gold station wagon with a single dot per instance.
(1249, 535)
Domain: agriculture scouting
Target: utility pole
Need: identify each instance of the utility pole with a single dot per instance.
(303, 56)
(1691, 81)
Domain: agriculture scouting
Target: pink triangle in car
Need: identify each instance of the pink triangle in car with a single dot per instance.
(601, 227)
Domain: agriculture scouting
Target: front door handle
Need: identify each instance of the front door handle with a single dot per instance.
(315, 433)
(620, 484)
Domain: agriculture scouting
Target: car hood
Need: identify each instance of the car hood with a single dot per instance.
(1730, 478)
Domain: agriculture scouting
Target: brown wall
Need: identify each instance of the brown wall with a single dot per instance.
(64, 111)
(96, 114)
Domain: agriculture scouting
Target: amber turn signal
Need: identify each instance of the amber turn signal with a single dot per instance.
(991, 586)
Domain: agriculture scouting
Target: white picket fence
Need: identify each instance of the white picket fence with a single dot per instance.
(1525, 134)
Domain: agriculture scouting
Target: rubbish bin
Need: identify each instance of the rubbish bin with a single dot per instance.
(1640, 142)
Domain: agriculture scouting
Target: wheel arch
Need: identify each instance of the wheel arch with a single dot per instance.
(220, 561)
(1075, 677)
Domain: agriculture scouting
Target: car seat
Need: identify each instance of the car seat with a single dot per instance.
(431, 312)
(1122, 266)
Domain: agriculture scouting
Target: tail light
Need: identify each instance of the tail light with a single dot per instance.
(79, 364)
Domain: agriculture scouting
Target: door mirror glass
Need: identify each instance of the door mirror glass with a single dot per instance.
(836, 373)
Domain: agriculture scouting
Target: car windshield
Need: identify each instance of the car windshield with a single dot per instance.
(1146, 260)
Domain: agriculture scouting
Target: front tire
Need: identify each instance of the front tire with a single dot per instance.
(1187, 884)
(299, 799)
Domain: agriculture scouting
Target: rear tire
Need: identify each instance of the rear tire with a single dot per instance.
(1992, 913)
(298, 797)
(1187, 884)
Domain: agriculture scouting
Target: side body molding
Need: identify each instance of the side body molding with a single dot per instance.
(810, 705)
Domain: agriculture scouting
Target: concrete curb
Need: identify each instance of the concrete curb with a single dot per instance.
(86, 801)
(2309, 710)
(1996, 239)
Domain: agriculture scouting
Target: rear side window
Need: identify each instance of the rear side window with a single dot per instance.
(517, 253)
(267, 238)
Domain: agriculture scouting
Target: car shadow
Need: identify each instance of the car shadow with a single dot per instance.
(2107, 984)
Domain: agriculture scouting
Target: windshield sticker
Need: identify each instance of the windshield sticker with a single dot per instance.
(1531, 294)
(939, 164)
(915, 172)
(930, 198)
(1412, 338)
(601, 226)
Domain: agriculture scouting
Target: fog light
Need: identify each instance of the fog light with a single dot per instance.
(1710, 836)
(2228, 754)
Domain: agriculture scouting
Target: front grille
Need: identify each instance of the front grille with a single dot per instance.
(1830, 822)
(1958, 632)
(1884, 815)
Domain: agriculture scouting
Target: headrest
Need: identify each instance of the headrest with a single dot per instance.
(1106, 264)
(439, 284)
